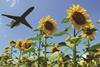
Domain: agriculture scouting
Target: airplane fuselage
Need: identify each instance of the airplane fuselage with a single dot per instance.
(20, 19)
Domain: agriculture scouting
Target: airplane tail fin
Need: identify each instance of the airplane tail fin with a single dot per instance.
(9, 16)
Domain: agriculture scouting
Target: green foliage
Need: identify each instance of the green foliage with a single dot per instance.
(65, 20)
(96, 46)
(63, 32)
(67, 28)
(60, 33)
(78, 40)
(37, 37)
(86, 43)
(37, 30)
(62, 44)
(97, 56)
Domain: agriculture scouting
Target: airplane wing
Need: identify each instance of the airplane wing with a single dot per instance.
(27, 12)
(9, 16)
(27, 24)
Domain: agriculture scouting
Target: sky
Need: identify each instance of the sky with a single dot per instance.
(55, 8)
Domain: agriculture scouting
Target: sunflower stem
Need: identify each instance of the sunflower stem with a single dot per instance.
(74, 56)
(89, 47)
(45, 48)
(74, 52)
(11, 51)
(19, 57)
(29, 54)
(39, 47)
(88, 44)
(20, 54)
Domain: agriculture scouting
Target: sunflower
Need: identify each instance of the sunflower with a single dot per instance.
(55, 48)
(24, 59)
(89, 32)
(26, 46)
(97, 54)
(6, 49)
(78, 16)
(13, 43)
(98, 51)
(19, 44)
(82, 62)
(47, 25)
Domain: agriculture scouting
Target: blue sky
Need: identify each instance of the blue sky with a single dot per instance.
(54, 8)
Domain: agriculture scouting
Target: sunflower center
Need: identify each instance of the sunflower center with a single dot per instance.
(49, 25)
(12, 42)
(27, 45)
(20, 44)
(55, 49)
(79, 18)
(89, 31)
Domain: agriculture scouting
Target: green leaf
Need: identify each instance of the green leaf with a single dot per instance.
(33, 44)
(60, 33)
(94, 29)
(62, 44)
(67, 28)
(78, 40)
(96, 46)
(37, 30)
(86, 43)
(30, 50)
(97, 56)
(23, 53)
(37, 37)
(65, 20)
(50, 44)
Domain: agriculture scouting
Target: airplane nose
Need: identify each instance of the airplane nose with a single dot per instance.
(32, 7)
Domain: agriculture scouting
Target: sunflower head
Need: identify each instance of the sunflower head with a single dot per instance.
(98, 51)
(19, 44)
(24, 59)
(26, 46)
(13, 43)
(47, 25)
(6, 49)
(78, 16)
(10, 61)
(89, 32)
(82, 62)
(55, 48)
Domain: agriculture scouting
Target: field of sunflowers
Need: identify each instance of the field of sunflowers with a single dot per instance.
(37, 51)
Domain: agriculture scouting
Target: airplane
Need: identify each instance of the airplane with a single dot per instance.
(20, 19)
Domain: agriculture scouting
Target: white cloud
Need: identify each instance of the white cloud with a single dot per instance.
(13, 2)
